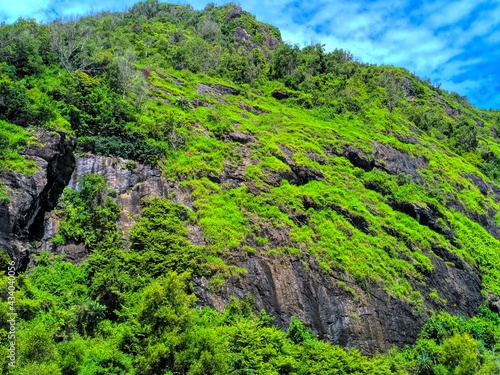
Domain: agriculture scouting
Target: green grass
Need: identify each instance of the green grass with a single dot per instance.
(4, 197)
(13, 139)
(229, 216)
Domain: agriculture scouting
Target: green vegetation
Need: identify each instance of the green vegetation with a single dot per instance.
(89, 214)
(284, 151)
(13, 139)
(63, 329)
(3, 194)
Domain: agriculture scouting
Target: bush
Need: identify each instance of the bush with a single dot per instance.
(297, 331)
(89, 214)
(128, 145)
(460, 354)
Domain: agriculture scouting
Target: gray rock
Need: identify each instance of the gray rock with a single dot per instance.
(122, 174)
(335, 308)
(386, 158)
(394, 161)
(219, 90)
(130, 180)
(235, 12)
(241, 35)
(240, 137)
(426, 215)
(484, 187)
(21, 220)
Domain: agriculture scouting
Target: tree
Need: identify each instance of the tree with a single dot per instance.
(19, 47)
(160, 239)
(15, 106)
(148, 8)
(209, 30)
(312, 59)
(89, 214)
(393, 88)
(72, 43)
(163, 315)
(460, 354)
(126, 71)
(284, 60)
(464, 139)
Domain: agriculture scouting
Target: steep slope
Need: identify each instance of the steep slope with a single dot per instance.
(356, 198)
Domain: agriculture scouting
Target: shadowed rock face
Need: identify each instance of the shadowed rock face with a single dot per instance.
(21, 220)
(337, 309)
(394, 161)
(386, 158)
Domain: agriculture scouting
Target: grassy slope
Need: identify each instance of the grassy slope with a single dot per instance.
(228, 216)
(325, 113)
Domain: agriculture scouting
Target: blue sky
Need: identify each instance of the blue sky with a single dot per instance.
(455, 43)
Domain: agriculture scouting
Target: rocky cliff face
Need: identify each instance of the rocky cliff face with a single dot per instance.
(337, 309)
(21, 219)
(130, 181)
(332, 304)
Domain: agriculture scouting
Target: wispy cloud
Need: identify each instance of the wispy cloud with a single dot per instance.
(452, 42)
(48, 10)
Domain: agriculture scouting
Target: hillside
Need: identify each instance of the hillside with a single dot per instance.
(183, 193)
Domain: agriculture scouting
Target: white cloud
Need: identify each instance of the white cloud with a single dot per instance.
(46, 10)
(450, 13)
(12, 10)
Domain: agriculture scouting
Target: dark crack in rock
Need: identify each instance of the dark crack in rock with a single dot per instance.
(22, 219)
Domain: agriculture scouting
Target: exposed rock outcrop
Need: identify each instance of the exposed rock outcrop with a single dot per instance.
(31, 197)
(486, 220)
(386, 158)
(241, 35)
(130, 180)
(281, 95)
(337, 309)
(428, 215)
(235, 12)
(394, 161)
(216, 90)
(297, 175)
(486, 188)
(240, 137)
(252, 109)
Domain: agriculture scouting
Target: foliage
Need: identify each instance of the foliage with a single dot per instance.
(159, 239)
(277, 153)
(89, 214)
(159, 330)
(14, 139)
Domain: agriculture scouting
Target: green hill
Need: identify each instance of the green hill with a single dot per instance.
(236, 205)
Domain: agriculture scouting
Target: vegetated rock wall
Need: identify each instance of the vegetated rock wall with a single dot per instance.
(337, 308)
(393, 161)
(130, 182)
(21, 219)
